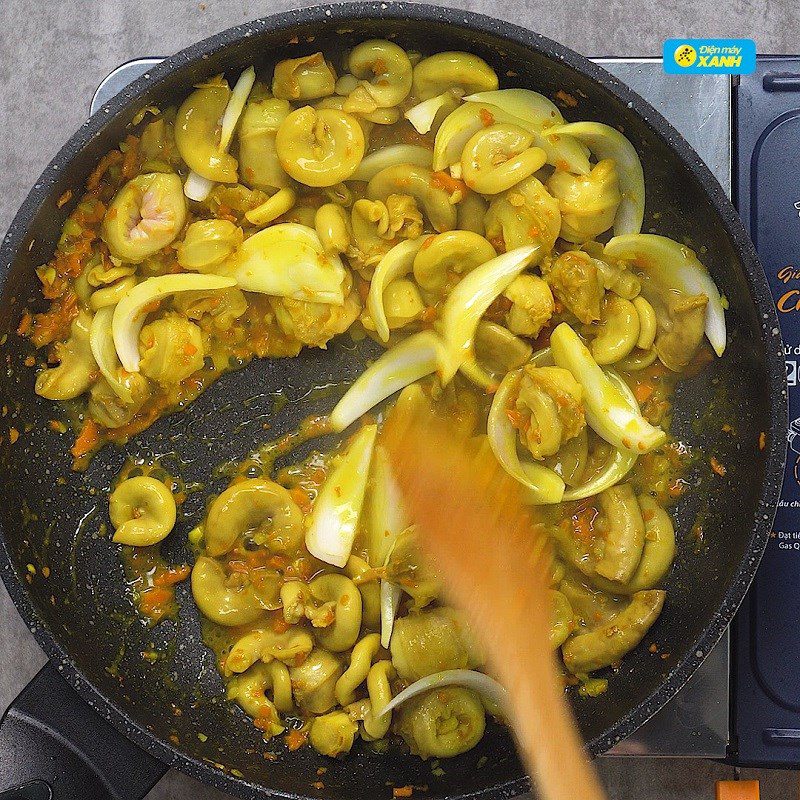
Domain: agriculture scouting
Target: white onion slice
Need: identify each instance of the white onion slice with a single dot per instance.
(422, 115)
(391, 156)
(607, 142)
(386, 519)
(488, 687)
(671, 265)
(236, 104)
(197, 187)
(130, 312)
(615, 469)
(101, 342)
(523, 103)
(544, 486)
(387, 516)
(404, 364)
(390, 602)
(619, 463)
(473, 294)
(337, 509)
(541, 114)
(398, 262)
(608, 412)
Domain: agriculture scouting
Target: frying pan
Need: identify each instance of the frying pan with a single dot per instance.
(172, 712)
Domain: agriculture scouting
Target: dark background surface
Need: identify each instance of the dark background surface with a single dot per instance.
(54, 55)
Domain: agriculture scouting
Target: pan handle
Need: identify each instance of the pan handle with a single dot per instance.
(54, 746)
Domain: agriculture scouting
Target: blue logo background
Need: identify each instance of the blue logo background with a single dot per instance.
(709, 56)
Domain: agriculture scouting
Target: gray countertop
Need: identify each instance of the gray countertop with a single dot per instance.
(54, 54)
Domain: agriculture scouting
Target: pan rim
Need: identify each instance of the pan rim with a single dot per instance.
(759, 292)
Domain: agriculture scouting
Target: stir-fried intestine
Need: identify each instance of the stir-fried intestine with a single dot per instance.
(494, 249)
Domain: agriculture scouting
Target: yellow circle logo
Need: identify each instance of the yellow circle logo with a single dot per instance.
(685, 55)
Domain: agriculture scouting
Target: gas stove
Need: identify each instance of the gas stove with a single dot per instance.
(743, 704)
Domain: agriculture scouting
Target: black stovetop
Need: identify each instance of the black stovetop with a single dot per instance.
(766, 633)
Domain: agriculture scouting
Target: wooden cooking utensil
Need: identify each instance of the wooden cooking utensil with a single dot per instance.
(495, 563)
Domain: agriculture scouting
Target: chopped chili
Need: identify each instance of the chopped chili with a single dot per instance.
(447, 183)
(296, 739)
(643, 392)
(88, 439)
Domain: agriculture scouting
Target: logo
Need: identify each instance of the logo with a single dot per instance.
(709, 56)
(685, 55)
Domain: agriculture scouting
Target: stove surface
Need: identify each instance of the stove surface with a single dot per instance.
(766, 697)
(695, 723)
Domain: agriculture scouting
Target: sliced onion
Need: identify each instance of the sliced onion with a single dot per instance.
(465, 121)
(607, 142)
(608, 412)
(197, 187)
(288, 260)
(386, 519)
(407, 362)
(479, 682)
(615, 469)
(523, 103)
(101, 342)
(457, 129)
(130, 312)
(542, 114)
(236, 104)
(502, 438)
(387, 516)
(473, 294)
(334, 518)
(619, 463)
(544, 485)
(390, 602)
(422, 115)
(398, 262)
(391, 156)
(671, 265)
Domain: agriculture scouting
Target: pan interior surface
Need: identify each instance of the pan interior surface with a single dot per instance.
(52, 517)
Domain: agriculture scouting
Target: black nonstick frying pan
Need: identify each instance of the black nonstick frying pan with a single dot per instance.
(78, 608)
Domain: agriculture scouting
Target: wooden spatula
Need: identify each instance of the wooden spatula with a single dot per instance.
(495, 563)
